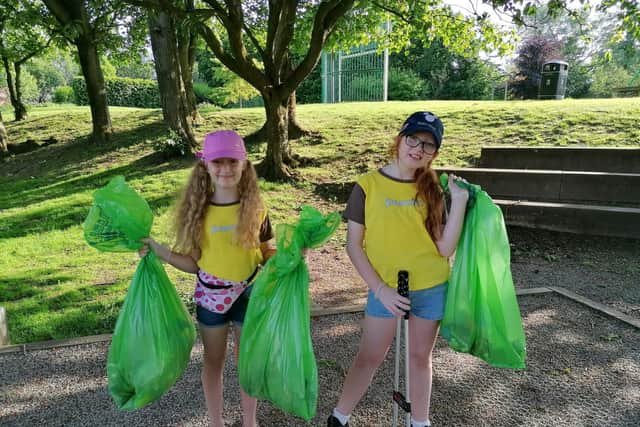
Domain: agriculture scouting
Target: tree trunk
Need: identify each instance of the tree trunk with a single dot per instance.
(73, 14)
(187, 57)
(294, 128)
(273, 166)
(96, 90)
(175, 107)
(4, 139)
(15, 93)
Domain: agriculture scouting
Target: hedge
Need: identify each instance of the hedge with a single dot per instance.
(121, 91)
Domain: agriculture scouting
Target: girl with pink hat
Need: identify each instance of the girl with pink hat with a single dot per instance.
(223, 235)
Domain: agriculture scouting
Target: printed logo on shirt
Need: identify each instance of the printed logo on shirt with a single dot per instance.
(220, 228)
(392, 202)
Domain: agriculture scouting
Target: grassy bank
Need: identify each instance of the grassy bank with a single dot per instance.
(54, 285)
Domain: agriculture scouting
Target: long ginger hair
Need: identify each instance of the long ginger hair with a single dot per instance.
(195, 199)
(428, 191)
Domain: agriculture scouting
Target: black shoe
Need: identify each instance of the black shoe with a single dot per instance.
(334, 422)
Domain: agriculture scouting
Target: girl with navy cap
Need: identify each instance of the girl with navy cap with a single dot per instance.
(398, 220)
(223, 234)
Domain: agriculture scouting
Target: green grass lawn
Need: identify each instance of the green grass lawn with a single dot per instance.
(54, 285)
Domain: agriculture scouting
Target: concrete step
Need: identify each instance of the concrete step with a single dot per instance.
(573, 218)
(619, 189)
(602, 159)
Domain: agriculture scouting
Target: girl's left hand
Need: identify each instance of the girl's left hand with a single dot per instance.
(457, 192)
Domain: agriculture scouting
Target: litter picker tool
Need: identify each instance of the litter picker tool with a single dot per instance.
(399, 400)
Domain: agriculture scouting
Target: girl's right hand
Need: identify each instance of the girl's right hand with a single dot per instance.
(393, 301)
(144, 250)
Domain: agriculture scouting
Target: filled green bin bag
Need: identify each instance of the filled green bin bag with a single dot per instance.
(154, 334)
(481, 315)
(276, 354)
(118, 218)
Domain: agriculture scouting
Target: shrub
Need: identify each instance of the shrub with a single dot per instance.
(122, 91)
(203, 93)
(405, 85)
(63, 94)
(171, 145)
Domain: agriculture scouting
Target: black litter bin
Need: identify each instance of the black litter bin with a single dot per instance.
(554, 80)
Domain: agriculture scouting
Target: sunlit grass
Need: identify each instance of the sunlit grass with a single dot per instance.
(54, 285)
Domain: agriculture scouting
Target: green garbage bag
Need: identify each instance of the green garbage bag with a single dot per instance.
(276, 354)
(118, 218)
(481, 315)
(154, 333)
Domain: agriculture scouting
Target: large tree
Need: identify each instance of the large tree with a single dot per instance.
(173, 61)
(255, 39)
(22, 36)
(76, 20)
(92, 26)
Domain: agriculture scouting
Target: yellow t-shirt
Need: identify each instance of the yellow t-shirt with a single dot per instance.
(221, 256)
(395, 237)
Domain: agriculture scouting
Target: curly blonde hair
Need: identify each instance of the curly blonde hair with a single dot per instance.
(195, 199)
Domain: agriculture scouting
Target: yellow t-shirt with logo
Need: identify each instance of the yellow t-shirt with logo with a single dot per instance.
(221, 256)
(395, 237)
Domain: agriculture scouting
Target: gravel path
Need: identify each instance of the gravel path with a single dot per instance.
(604, 269)
(583, 370)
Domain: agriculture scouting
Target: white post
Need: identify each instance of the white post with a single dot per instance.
(385, 72)
(339, 76)
(4, 331)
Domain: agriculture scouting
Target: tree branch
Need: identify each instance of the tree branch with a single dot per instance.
(282, 37)
(248, 72)
(254, 41)
(325, 20)
(272, 26)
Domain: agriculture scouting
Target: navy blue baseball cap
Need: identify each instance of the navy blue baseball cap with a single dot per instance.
(424, 121)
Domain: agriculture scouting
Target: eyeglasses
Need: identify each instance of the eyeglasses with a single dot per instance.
(428, 147)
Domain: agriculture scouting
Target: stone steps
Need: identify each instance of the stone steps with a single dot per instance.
(600, 188)
(573, 218)
(602, 159)
(578, 190)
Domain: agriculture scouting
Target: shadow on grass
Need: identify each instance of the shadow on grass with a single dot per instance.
(32, 172)
(336, 192)
(66, 315)
(13, 288)
(62, 217)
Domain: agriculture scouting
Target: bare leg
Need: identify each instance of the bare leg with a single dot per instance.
(376, 338)
(248, 403)
(215, 347)
(422, 337)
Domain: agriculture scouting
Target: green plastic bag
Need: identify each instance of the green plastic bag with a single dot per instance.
(276, 354)
(154, 334)
(152, 341)
(481, 315)
(118, 218)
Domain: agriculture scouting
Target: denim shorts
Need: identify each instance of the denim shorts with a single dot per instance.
(235, 314)
(426, 303)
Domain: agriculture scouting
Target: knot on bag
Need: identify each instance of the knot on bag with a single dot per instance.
(311, 230)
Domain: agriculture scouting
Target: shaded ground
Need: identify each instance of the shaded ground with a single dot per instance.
(604, 269)
(583, 370)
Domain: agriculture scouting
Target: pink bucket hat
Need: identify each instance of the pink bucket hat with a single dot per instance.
(222, 144)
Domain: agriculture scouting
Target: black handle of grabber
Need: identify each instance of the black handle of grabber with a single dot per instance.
(403, 287)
